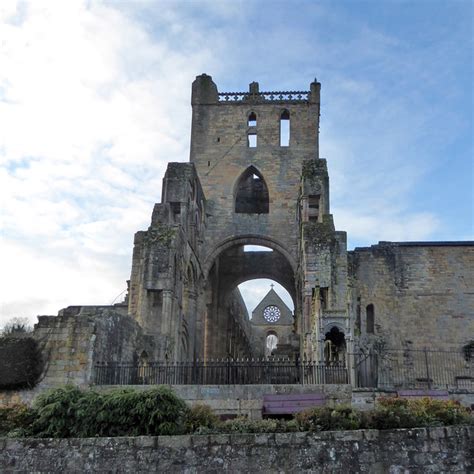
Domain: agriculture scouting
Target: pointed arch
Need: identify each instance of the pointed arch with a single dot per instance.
(251, 193)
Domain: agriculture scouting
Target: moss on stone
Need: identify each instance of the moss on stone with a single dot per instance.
(161, 234)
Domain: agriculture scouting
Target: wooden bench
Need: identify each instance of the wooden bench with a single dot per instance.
(288, 404)
(414, 394)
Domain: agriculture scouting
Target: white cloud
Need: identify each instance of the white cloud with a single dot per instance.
(94, 101)
(91, 110)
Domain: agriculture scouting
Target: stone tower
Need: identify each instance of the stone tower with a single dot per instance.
(254, 178)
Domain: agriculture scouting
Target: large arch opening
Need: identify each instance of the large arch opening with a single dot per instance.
(251, 193)
(238, 276)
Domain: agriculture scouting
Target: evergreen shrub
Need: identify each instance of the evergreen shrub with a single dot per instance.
(69, 412)
(21, 362)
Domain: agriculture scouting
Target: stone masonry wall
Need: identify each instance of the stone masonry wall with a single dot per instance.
(418, 450)
(220, 152)
(74, 341)
(423, 293)
(247, 400)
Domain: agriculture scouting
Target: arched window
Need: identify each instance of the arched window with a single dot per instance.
(271, 343)
(370, 319)
(252, 122)
(252, 132)
(285, 128)
(251, 195)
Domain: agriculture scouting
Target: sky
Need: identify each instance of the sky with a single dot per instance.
(95, 100)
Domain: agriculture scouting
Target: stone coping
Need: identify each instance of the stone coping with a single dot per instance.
(260, 439)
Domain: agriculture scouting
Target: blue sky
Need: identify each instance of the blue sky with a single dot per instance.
(95, 100)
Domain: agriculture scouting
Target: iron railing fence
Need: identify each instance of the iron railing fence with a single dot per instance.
(392, 370)
(222, 372)
(424, 368)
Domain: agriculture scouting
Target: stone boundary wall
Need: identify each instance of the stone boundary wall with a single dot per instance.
(449, 449)
(245, 400)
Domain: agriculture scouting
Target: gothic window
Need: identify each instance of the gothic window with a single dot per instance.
(285, 128)
(251, 195)
(370, 321)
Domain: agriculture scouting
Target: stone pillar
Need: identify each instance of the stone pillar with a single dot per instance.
(167, 322)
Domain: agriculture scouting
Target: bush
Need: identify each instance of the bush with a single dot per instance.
(402, 413)
(245, 425)
(69, 412)
(432, 412)
(201, 418)
(326, 418)
(21, 362)
(14, 418)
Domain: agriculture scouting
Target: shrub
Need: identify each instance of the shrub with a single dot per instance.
(21, 362)
(69, 412)
(201, 418)
(326, 418)
(245, 425)
(402, 413)
(14, 418)
(432, 412)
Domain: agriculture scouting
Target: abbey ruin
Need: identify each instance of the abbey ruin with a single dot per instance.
(255, 177)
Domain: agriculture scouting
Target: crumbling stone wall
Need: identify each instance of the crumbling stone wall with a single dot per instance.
(73, 342)
(417, 450)
(422, 293)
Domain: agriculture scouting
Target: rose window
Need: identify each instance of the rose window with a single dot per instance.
(271, 313)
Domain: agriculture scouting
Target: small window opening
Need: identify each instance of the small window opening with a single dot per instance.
(208, 163)
(218, 139)
(252, 122)
(285, 128)
(252, 140)
(370, 315)
(251, 193)
(323, 296)
(313, 207)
